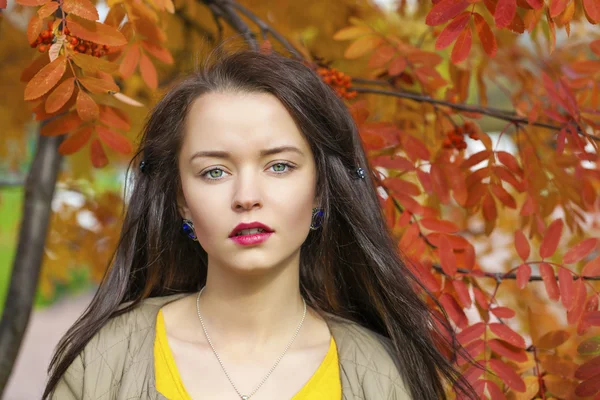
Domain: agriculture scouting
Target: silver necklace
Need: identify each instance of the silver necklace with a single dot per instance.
(242, 396)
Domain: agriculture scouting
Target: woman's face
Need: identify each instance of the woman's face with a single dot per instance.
(246, 183)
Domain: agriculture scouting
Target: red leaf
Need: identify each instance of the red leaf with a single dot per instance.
(60, 96)
(481, 298)
(476, 158)
(32, 3)
(114, 140)
(402, 187)
(502, 195)
(536, 4)
(46, 78)
(462, 291)
(549, 279)
(505, 12)
(503, 312)
(97, 154)
(397, 66)
(592, 318)
(486, 36)
(509, 162)
(595, 46)
(453, 309)
(462, 47)
(508, 375)
(447, 257)
(415, 148)
(523, 275)
(488, 207)
(470, 333)
(588, 369)
(452, 30)
(522, 245)
(551, 238)
(557, 7)
(76, 141)
(505, 350)
(438, 225)
(592, 9)
(580, 250)
(567, 290)
(444, 11)
(575, 312)
(473, 349)
(507, 334)
(62, 125)
(592, 268)
(474, 372)
(495, 392)
(589, 387)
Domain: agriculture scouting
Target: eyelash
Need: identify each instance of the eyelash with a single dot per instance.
(289, 166)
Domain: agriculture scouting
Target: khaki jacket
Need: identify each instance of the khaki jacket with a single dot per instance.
(118, 362)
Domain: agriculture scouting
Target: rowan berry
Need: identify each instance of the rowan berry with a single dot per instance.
(42, 48)
(74, 41)
(66, 31)
(81, 48)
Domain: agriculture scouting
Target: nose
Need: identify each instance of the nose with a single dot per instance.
(247, 193)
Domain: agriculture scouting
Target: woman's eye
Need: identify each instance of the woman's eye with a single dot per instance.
(217, 173)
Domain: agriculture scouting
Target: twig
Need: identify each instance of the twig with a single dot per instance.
(499, 276)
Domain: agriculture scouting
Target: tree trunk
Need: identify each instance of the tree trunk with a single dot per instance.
(39, 190)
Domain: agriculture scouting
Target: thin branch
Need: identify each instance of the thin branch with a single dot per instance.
(223, 9)
(500, 276)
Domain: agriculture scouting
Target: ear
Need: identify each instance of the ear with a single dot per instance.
(182, 207)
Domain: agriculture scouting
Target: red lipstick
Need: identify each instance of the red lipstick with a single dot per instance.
(250, 238)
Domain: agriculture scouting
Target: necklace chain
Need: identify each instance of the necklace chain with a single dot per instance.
(246, 397)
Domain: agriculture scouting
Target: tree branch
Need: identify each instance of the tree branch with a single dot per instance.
(39, 190)
(500, 276)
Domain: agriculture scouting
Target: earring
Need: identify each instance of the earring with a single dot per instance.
(317, 218)
(188, 229)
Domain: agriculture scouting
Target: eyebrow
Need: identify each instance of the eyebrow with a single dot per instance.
(263, 153)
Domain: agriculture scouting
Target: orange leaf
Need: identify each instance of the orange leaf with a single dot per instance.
(507, 334)
(397, 66)
(523, 275)
(474, 349)
(114, 140)
(454, 311)
(592, 268)
(60, 96)
(159, 52)
(486, 36)
(447, 257)
(557, 7)
(82, 8)
(481, 299)
(415, 148)
(592, 318)
(401, 186)
(502, 195)
(381, 56)
(114, 118)
(97, 154)
(76, 141)
(536, 4)
(439, 184)
(552, 339)
(495, 392)
(508, 375)
(98, 86)
(362, 46)
(576, 311)
(470, 333)
(34, 27)
(509, 161)
(130, 61)
(86, 107)
(61, 125)
(476, 158)
(595, 46)
(92, 65)
(505, 350)
(444, 11)
(505, 12)
(46, 78)
(567, 290)
(462, 291)
(551, 238)
(47, 9)
(452, 30)
(522, 245)
(488, 207)
(438, 225)
(32, 3)
(549, 279)
(580, 250)
(352, 32)
(148, 72)
(95, 32)
(592, 10)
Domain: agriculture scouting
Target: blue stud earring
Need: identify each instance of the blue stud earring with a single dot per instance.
(188, 229)
(317, 218)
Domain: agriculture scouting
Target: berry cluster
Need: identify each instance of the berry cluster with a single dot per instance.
(339, 81)
(47, 37)
(456, 139)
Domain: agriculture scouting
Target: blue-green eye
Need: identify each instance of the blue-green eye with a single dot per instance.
(280, 168)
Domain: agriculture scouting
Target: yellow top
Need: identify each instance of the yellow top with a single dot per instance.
(324, 384)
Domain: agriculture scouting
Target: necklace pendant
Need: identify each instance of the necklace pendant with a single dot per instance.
(244, 397)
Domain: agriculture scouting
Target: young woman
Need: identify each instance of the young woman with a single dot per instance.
(254, 260)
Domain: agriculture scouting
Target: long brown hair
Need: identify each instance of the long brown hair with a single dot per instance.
(349, 267)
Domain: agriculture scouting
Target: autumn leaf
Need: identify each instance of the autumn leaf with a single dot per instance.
(115, 141)
(503, 312)
(523, 275)
(61, 125)
(33, 28)
(452, 30)
(592, 10)
(454, 310)
(553, 339)
(503, 349)
(95, 31)
(81, 8)
(580, 250)
(148, 72)
(383, 55)
(157, 51)
(507, 334)
(447, 257)
(590, 346)
(352, 32)
(362, 46)
(470, 333)
(462, 292)
(87, 109)
(438, 225)
(32, 3)
(567, 289)
(97, 154)
(98, 86)
(46, 78)
(486, 36)
(508, 375)
(115, 118)
(397, 66)
(547, 274)
(551, 238)
(444, 11)
(75, 141)
(130, 61)
(592, 268)
(60, 96)
(47, 9)
(505, 12)
(522, 245)
(92, 64)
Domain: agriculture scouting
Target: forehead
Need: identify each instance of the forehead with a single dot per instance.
(240, 122)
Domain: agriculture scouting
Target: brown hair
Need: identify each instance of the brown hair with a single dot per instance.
(350, 267)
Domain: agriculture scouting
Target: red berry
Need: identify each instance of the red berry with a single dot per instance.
(74, 41)
(66, 31)
(42, 48)
(82, 48)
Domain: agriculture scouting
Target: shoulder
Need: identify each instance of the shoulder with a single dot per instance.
(368, 366)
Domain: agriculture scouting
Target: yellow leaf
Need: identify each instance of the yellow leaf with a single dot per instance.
(98, 86)
(351, 32)
(92, 64)
(362, 46)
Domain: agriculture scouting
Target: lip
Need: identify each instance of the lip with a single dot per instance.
(250, 225)
(249, 240)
